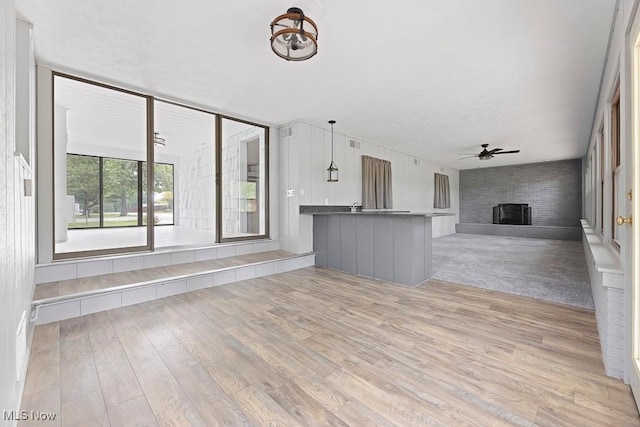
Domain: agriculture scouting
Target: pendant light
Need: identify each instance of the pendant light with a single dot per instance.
(158, 141)
(332, 170)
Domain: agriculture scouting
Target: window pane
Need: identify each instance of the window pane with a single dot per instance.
(163, 187)
(83, 191)
(244, 192)
(100, 135)
(162, 193)
(120, 193)
(184, 187)
(616, 188)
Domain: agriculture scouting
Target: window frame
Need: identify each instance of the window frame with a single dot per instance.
(601, 178)
(140, 165)
(149, 158)
(219, 180)
(150, 100)
(615, 162)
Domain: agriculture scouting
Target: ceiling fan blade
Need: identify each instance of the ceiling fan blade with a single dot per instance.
(495, 150)
(508, 152)
(462, 158)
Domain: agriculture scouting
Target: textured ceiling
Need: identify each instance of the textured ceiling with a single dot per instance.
(431, 78)
(100, 117)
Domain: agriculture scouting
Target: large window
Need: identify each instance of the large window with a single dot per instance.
(188, 140)
(208, 181)
(244, 158)
(108, 192)
(615, 166)
(100, 146)
(601, 178)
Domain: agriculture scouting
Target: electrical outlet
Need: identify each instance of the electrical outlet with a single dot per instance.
(291, 193)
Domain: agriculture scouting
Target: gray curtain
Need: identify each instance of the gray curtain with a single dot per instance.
(376, 183)
(441, 195)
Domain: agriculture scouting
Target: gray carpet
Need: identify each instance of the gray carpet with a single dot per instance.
(550, 270)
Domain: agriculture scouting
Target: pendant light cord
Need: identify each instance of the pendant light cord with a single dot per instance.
(332, 142)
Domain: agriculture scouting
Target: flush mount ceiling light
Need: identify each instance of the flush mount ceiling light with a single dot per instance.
(294, 36)
(157, 140)
(332, 170)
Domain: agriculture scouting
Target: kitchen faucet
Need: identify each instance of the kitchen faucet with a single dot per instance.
(354, 207)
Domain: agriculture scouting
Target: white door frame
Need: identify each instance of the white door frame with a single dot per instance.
(632, 256)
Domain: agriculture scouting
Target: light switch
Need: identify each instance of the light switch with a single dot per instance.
(28, 185)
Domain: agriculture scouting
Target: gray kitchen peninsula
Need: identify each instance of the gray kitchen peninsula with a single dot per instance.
(389, 245)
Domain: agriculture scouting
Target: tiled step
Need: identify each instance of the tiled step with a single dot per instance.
(88, 267)
(61, 300)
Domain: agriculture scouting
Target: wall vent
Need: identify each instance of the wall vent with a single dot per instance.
(354, 144)
(286, 132)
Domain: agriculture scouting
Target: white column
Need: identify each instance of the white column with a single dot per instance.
(60, 173)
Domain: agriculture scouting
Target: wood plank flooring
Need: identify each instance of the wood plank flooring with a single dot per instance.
(319, 347)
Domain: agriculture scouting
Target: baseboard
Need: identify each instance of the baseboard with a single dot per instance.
(528, 231)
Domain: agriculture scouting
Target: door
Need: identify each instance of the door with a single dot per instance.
(632, 206)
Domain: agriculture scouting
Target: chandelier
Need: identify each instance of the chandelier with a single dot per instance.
(294, 36)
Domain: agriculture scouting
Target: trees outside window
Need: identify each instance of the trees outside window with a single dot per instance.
(83, 182)
(108, 191)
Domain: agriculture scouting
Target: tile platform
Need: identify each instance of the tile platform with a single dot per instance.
(87, 267)
(68, 298)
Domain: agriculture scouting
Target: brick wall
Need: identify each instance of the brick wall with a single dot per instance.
(608, 298)
(552, 189)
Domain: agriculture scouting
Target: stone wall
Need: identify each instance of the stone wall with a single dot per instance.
(234, 167)
(607, 287)
(231, 166)
(196, 187)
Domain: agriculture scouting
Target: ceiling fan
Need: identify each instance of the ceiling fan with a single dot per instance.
(488, 154)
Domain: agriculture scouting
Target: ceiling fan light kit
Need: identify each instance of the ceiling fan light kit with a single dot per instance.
(488, 154)
(294, 36)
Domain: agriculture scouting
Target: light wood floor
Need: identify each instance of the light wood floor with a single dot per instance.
(318, 347)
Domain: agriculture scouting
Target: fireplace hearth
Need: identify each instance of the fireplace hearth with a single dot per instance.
(512, 213)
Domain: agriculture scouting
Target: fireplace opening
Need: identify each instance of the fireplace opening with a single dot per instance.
(512, 213)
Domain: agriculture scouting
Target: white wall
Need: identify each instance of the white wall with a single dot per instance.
(17, 226)
(304, 157)
(274, 186)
